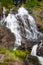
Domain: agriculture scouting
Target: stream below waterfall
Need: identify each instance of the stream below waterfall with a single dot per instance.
(12, 22)
(34, 53)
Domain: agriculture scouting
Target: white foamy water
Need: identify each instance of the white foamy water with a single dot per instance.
(33, 53)
(40, 60)
(31, 32)
(12, 24)
(34, 50)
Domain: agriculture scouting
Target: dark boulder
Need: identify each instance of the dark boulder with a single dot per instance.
(40, 49)
(7, 39)
(31, 60)
(27, 44)
(40, 27)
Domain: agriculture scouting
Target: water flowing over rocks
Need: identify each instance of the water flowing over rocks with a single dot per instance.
(20, 32)
(21, 25)
(31, 60)
(40, 49)
(34, 53)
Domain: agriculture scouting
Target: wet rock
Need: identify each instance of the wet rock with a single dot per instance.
(27, 44)
(40, 47)
(40, 27)
(40, 50)
(31, 60)
(22, 28)
(7, 39)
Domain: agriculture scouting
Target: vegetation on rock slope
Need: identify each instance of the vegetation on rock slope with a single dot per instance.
(17, 57)
(36, 6)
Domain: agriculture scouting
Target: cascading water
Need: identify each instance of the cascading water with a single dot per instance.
(34, 53)
(28, 20)
(34, 49)
(12, 23)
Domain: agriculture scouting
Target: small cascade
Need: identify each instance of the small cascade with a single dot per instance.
(12, 24)
(40, 60)
(33, 53)
(29, 24)
(34, 50)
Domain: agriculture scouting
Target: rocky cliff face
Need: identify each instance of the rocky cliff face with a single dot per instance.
(7, 39)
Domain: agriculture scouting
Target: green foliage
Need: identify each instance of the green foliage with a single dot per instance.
(18, 53)
(32, 4)
(2, 50)
(11, 54)
(8, 55)
(6, 3)
(29, 4)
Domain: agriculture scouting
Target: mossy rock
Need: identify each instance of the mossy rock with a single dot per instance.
(34, 60)
(12, 57)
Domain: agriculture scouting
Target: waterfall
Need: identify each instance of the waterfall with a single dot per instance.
(12, 24)
(34, 50)
(33, 53)
(28, 21)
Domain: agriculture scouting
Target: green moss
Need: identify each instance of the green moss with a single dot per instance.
(8, 55)
(2, 50)
(11, 55)
(18, 53)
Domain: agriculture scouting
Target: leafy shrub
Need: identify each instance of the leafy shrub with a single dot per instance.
(32, 4)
